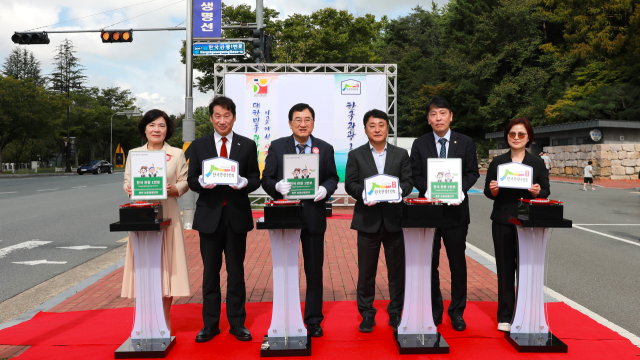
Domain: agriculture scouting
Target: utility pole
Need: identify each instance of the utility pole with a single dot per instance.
(259, 14)
(188, 123)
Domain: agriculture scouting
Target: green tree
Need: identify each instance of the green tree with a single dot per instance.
(21, 64)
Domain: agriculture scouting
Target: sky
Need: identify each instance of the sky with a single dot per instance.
(150, 65)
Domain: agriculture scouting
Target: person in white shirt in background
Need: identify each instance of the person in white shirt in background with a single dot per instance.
(547, 161)
(588, 177)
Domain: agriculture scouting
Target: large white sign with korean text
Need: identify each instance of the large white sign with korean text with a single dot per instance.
(382, 188)
(515, 175)
(259, 119)
(220, 171)
(148, 175)
(302, 172)
(444, 179)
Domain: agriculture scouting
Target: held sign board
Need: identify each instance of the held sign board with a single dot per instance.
(302, 171)
(515, 176)
(444, 181)
(207, 19)
(148, 175)
(220, 171)
(212, 49)
(382, 188)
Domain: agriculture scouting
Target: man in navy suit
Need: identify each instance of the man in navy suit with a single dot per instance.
(301, 122)
(444, 143)
(223, 218)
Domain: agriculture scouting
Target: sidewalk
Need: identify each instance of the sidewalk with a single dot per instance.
(340, 276)
(613, 184)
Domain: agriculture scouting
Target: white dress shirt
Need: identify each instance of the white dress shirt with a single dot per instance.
(437, 138)
(218, 138)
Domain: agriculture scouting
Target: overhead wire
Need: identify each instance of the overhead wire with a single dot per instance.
(143, 14)
(83, 17)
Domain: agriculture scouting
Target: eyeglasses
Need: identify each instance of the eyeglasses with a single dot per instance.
(521, 135)
(299, 121)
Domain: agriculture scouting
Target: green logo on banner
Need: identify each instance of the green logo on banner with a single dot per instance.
(444, 191)
(147, 186)
(301, 187)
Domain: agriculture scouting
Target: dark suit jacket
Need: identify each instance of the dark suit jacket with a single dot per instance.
(506, 203)
(314, 212)
(460, 146)
(361, 165)
(209, 204)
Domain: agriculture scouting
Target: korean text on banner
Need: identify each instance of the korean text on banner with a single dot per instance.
(148, 172)
(444, 179)
(207, 19)
(301, 171)
(515, 175)
(350, 105)
(261, 107)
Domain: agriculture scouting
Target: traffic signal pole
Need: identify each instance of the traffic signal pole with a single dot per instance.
(188, 123)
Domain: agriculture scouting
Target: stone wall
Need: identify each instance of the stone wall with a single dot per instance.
(610, 161)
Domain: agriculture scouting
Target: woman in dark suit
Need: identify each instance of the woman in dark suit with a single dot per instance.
(519, 135)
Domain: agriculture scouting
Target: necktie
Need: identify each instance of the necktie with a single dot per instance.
(223, 153)
(443, 149)
(301, 148)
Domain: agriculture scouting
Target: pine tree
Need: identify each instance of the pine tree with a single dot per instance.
(21, 64)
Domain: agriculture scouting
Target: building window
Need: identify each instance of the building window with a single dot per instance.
(562, 142)
(584, 140)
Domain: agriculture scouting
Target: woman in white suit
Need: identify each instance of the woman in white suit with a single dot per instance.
(156, 127)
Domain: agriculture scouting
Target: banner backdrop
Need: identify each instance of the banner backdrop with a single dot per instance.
(339, 101)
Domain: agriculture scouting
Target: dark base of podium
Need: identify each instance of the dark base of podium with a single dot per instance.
(293, 347)
(155, 348)
(536, 343)
(411, 345)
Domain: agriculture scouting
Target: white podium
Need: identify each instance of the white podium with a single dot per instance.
(150, 337)
(530, 328)
(417, 333)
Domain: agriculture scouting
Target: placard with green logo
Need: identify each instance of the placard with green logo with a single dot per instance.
(302, 172)
(148, 175)
(444, 179)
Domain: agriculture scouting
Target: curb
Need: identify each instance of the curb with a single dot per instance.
(46, 174)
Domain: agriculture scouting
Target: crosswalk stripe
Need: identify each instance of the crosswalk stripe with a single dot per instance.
(38, 262)
(25, 245)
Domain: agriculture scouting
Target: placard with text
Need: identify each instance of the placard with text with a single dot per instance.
(302, 171)
(382, 188)
(515, 175)
(148, 175)
(220, 171)
(444, 180)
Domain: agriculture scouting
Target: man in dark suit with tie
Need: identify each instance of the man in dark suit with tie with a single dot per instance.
(378, 223)
(301, 122)
(444, 143)
(223, 218)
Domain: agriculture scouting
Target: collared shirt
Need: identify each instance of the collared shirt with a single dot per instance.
(437, 138)
(307, 149)
(218, 138)
(379, 158)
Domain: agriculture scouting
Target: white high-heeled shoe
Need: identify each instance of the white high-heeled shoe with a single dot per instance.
(506, 327)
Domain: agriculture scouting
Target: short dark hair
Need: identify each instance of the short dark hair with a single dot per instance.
(151, 116)
(438, 102)
(223, 101)
(590, 162)
(521, 120)
(301, 107)
(378, 114)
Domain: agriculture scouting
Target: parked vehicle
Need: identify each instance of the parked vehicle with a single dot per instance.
(96, 167)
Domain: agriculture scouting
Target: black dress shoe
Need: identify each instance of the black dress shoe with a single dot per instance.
(315, 330)
(458, 323)
(207, 334)
(394, 321)
(367, 324)
(437, 320)
(241, 332)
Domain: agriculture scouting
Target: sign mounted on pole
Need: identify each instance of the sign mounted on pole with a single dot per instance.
(201, 49)
(207, 19)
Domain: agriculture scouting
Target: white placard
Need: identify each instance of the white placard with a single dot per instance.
(515, 175)
(382, 188)
(148, 175)
(444, 181)
(220, 171)
(302, 171)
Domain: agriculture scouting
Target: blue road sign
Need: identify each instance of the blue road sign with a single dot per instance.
(208, 49)
(207, 19)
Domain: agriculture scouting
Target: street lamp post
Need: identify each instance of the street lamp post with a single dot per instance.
(128, 114)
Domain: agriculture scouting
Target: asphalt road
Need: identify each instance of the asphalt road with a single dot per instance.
(62, 211)
(598, 272)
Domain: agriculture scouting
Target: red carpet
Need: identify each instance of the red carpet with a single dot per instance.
(259, 214)
(96, 334)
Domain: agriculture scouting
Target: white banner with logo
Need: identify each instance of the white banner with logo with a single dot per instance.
(220, 171)
(515, 175)
(261, 107)
(382, 188)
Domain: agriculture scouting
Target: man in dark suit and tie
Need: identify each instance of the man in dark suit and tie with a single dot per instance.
(378, 223)
(301, 122)
(444, 143)
(223, 218)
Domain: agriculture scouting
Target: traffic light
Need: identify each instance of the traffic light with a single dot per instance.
(258, 45)
(116, 36)
(30, 38)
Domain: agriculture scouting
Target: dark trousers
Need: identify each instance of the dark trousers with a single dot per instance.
(505, 245)
(455, 243)
(368, 253)
(313, 255)
(233, 244)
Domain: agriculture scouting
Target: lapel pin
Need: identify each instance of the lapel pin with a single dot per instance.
(455, 142)
(315, 150)
(238, 144)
